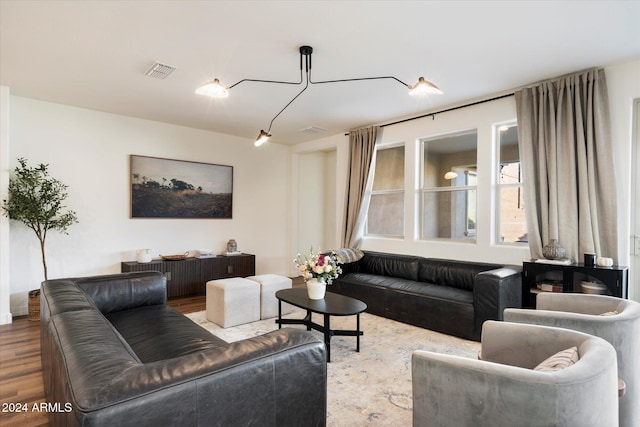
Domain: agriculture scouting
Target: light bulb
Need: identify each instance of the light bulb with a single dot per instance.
(213, 89)
(424, 87)
(262, 138)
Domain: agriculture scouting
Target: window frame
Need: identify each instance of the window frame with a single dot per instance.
(471, 231)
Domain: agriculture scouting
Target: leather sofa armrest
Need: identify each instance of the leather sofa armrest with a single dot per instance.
(495, 290)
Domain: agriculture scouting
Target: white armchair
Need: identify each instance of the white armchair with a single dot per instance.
(503, 390)
(613, 319)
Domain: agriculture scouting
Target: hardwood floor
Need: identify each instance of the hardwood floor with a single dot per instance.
(21, 374)
(21, 385)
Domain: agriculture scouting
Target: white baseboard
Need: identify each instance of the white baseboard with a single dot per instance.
(6, 318)
(22, 310)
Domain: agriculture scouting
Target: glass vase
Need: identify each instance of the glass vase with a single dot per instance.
(553, 250)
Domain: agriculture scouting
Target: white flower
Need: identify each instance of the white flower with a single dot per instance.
(322, 266)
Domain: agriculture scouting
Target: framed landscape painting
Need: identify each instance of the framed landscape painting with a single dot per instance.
(165, 188)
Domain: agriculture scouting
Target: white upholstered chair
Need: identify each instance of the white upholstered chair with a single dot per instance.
(503, 389)
(614, 319)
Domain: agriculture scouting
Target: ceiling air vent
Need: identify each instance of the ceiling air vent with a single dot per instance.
(312, 129)
(160, 71)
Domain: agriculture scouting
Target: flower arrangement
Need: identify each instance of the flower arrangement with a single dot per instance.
(319, 266)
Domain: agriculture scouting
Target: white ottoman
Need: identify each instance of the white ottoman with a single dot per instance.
(269, 285)
(233, 301)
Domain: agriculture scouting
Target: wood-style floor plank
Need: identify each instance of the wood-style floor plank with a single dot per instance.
(21, 367)
(21, 374)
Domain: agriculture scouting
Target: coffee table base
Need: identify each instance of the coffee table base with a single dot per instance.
(325, 329)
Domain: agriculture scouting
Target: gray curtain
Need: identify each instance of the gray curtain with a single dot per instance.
(362, 148)
(567, 163)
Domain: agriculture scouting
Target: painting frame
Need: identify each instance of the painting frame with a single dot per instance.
(179, 189)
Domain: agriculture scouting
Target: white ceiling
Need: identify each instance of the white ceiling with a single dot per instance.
(94, 54)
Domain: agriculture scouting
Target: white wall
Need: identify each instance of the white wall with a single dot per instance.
(89, 151)
(481, 117)
(311, 202)
(331, 223)
(5, 307)
(623, 85)
(325, 186)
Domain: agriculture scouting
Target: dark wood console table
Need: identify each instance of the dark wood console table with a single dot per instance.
(189, 276)
(568, 278)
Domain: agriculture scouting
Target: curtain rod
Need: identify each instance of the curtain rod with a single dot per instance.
(446, 110)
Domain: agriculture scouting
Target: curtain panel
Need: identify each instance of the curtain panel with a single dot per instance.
(567, 163)
(362, 149)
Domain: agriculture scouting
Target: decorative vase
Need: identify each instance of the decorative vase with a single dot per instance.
(316, 288)
(553, 250)
(232, 246)
(143, 255)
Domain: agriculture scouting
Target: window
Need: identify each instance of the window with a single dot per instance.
(448, 188)
(511, 222)
(386, 208)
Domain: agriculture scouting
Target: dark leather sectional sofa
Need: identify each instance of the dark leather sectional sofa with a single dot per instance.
(114, 354)
(453, 297)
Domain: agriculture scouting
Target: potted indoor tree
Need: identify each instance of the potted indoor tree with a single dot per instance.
(36, 199)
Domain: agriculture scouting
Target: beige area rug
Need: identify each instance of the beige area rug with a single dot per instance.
(370, 388)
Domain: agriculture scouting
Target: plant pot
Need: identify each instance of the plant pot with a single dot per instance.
(34, 305)
(316, 288)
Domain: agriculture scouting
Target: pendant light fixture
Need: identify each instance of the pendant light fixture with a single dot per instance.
(213, 89)
(424, 87)
(217, 90)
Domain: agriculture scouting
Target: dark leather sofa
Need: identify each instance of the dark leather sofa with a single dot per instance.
(114, 354)
(453, 297)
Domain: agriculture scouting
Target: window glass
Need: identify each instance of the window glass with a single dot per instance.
(386, 208)
(389, 173)
(452, 215)
(449, 181)
(386, 214)
(511, 226)
(446, 160)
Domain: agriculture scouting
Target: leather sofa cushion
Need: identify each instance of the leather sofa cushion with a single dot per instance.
(409, 286)
(456, 274)
(433, 291)
(366, 279)
(121, 292)
(158, 332)
(400, 266)
(94, 353)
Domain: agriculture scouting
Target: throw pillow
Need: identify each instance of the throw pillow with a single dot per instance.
(560, 360)
(347, 255)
